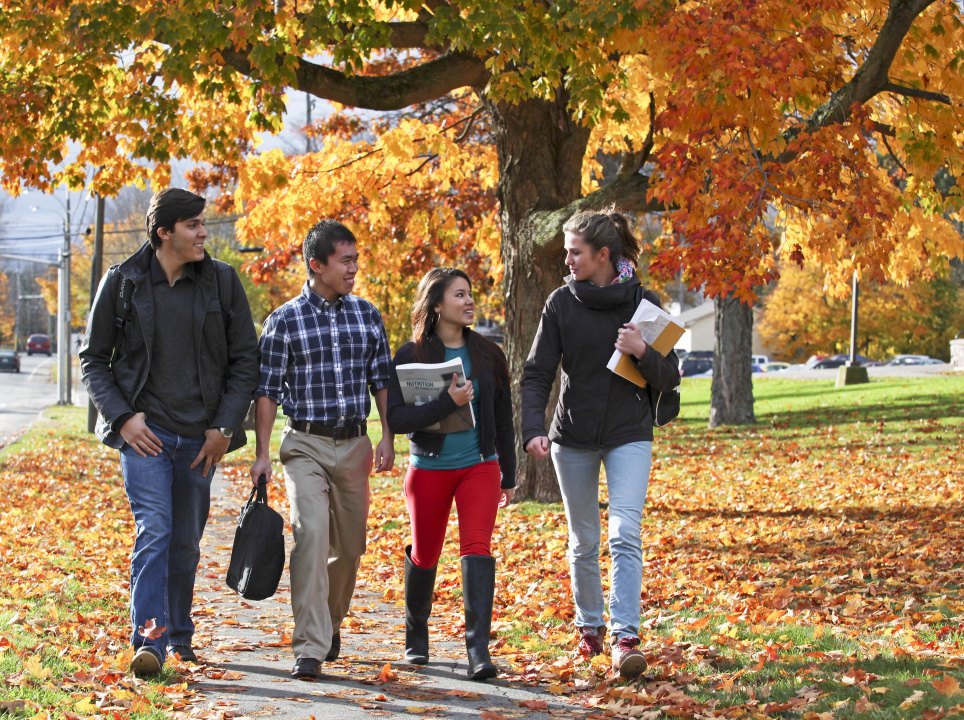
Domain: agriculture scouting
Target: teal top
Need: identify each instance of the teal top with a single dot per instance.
(459, 449)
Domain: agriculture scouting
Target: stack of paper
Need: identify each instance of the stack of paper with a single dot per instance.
(660, 330)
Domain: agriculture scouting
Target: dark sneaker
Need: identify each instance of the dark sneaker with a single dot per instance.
(590, 643)
(628, 661)
(186, 654)
(146, 662)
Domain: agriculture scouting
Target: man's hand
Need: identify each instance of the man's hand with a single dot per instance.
(215, 445)
(630, 341)
(262, 466)
(538, 446)
(461, 395)
(507, 494)
(385, 454)
(136, 434)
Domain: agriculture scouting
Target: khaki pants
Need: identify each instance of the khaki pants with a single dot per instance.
(327, 484)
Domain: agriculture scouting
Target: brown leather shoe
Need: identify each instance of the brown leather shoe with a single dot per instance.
(628, 661)
(307, 669)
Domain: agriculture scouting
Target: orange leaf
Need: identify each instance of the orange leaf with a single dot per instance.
(151, 631)
(947, 686)
(387, 674)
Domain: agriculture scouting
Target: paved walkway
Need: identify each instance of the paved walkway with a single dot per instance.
(245, 648)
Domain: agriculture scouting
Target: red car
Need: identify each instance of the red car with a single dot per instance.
(38, 344)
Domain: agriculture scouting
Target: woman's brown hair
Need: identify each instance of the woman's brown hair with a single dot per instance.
(428, 347)
(605, 229)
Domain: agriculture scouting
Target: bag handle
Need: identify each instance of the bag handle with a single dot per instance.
(261, 490)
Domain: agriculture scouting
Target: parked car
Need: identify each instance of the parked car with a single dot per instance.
(38, 344)
(760, 360)
(9, 360)
(695, 366)
(914, 360)
(829, 362)
(775, 366)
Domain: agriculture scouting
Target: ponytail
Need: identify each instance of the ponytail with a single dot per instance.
(605, 230)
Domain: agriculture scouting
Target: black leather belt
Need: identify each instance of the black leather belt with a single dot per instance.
(338, 432)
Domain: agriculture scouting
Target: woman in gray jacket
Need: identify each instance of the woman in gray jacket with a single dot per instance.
(600, 418)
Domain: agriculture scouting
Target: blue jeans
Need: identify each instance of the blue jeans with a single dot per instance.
(170, 503)
(627, 475)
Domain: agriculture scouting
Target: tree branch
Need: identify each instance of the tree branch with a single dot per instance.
(632, 162)
(870, 78)
(386, 92)
(626, 193)
(917, 93)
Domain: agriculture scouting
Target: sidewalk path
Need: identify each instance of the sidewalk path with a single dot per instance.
(245, 648)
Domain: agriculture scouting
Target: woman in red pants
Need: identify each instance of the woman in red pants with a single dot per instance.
(474, 467)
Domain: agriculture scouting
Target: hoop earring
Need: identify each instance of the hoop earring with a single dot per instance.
(436, 319)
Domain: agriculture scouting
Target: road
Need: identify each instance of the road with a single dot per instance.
(23, 395)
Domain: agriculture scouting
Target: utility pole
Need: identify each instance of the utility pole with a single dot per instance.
(96, 270)
(853, 323)
(853, 373)
(308, 143)
(63, 316)
(16, 315)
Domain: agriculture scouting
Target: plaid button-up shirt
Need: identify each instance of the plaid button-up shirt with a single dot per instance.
(319, 359)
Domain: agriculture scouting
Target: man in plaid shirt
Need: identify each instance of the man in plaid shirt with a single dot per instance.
(321, 353)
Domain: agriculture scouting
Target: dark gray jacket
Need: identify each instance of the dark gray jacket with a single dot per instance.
(596, 408)
(227, 346)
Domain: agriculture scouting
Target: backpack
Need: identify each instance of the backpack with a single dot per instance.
(665, 406)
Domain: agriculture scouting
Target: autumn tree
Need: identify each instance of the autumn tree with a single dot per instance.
(801, 319)
(720, 112)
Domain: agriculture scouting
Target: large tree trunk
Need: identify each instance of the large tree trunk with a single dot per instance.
(540, 149)
(731, 395)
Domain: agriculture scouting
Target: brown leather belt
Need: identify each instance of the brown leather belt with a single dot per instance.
(337, 432)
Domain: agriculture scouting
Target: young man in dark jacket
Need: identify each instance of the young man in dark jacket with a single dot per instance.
(170, 361)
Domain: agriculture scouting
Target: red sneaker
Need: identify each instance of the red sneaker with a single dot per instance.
(627, 660)
(590, 642)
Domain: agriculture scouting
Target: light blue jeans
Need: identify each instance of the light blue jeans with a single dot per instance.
(170, 503)
(627, 475)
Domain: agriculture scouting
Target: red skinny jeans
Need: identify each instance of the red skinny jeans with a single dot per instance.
(429, 494)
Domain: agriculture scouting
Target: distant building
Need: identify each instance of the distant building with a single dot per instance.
(700, 332)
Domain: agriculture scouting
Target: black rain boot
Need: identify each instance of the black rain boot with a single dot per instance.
(478, 587)
(419, 589)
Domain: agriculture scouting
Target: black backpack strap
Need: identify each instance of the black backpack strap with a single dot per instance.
(122, 310)
(226, 305)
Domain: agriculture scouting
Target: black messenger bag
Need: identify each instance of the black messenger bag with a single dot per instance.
(258, 554)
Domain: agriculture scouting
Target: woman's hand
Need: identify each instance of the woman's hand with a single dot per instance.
(538, 446)
(507, 494)
(630, 341)
(462, 395)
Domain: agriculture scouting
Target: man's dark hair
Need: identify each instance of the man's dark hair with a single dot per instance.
(168, 207)
(320, 242)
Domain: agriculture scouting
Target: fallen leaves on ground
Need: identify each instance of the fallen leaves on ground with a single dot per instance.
(809, 566)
